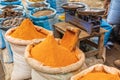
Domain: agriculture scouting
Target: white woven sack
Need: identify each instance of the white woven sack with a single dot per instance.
(21, 69)
(97, 67)
(41, 72)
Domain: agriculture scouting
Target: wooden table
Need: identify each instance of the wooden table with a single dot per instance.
(61, 28)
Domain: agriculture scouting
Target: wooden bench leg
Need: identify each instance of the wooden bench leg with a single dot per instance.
(100, 46)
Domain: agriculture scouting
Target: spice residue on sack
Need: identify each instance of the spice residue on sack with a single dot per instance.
(99, 76)
(42, 13)
(27, 31)
(51, 53)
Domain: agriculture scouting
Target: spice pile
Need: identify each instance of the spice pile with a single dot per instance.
(27, 31)
(42, 13)
(37, 5)
(100, 76)
(52, 53)
(12, 22)
(9, 7)
(10, 13)
(36, 0)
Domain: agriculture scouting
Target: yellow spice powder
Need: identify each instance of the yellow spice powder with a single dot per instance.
(50, 53)
(27, 31)
(100, 76)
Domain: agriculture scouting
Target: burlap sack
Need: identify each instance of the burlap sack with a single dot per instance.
(41, 72)
(21, 69)
(97, 67)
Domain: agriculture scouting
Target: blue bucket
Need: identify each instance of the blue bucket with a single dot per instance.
(44, 21)
(31, 8)
(18, 2)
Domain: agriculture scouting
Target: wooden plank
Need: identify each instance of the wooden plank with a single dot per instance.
(57, 33)
(83, 35)
(91, 43)
(91, 53)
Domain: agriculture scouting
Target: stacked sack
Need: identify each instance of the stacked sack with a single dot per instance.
(19, 37)
(55, 59)
(11, 15)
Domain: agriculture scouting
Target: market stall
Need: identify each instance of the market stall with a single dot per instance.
(42, 40)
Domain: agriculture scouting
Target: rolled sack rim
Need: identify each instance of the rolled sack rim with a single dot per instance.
(21, 42)
(42, 17)
(97, 67)
(31, 8)
(38, 66)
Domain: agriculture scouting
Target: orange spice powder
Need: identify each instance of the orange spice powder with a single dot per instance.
(50, 53)
(100, 76)
(70, 38)
(27, 31)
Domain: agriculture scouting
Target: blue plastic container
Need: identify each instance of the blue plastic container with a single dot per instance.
(2, 42)
(18, 2)
(31, 8)
(44, 21)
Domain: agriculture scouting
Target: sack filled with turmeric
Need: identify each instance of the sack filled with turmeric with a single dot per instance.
(100, 76)
(27, 31)
(50, 53)
(98, 72)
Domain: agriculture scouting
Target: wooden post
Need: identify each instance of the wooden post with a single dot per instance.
(100, 46)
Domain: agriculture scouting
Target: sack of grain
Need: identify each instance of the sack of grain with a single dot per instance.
(21, 69)
(106, 72)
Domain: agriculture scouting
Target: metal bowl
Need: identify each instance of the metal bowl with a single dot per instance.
(91, 11)
(73, 5)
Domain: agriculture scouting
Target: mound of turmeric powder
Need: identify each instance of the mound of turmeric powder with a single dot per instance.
(70, 38)
(27, 31)
(50, 53)
(100, 76)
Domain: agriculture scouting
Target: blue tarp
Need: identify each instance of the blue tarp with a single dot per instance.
(107, 27)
